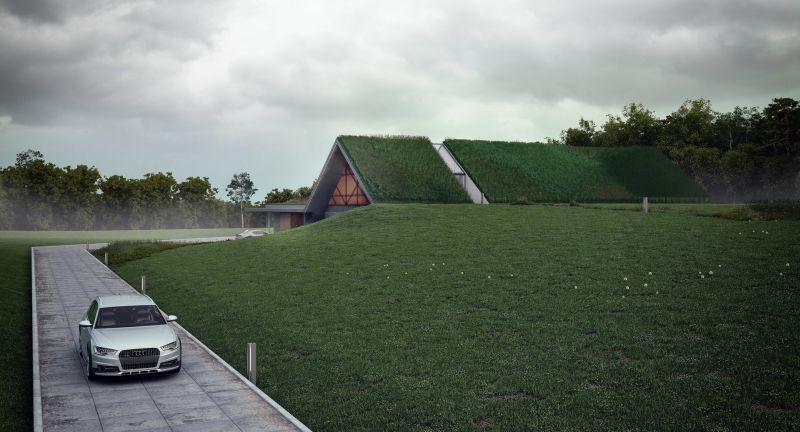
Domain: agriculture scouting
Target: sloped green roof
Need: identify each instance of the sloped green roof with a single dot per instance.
(645, 171)
(402, 169)
(507, 171)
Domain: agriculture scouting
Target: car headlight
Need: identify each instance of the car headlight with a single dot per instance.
(172, 346)
(104, 351)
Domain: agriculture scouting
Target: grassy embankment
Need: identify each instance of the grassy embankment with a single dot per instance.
(455, 317)
(15, 285)
(506, 172)
(645, 171)
(399, 169)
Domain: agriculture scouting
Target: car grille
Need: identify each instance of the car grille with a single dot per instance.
(139, 358)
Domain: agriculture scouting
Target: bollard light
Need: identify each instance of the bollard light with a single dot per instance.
(251, 362)
(144, 284)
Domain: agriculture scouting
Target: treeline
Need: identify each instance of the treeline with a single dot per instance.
(746, 154)
(38, 195)
(287, 196)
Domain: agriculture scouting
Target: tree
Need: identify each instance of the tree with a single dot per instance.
(747, 153)
(582, 136)
(641, 126)
(194, 195)
(241, 189)
(157, 194)
(739, 170)
(276, 196)
(704, 164)
(782, 121)
(638, 126)
(7, 211)
(734, 128)
(78, 196)
(692, 124)
(35, 194)
(611, 133)
(195, 190)
(28, 156)
(118, 201)
(302, 193)
(34, 188)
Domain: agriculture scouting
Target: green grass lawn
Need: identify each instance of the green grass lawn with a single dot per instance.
(398, 169)
(451, 317)
(508, 171)
(15, 289)
(756, 212)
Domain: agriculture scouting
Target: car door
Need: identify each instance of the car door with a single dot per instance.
(84, 335)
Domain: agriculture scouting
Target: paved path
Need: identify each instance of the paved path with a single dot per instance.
(204, 396)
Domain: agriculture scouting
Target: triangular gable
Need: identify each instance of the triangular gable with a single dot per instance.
(348, 192)
(329, 181)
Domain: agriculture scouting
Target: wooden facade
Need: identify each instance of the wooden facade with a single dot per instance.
(338, 189)
(348, 192)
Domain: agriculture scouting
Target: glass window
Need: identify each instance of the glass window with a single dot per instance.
(129, 316)
(92, 312)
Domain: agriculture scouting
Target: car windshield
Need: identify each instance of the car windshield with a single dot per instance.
(129, 316)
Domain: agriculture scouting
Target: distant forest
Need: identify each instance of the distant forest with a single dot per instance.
(38, 195)
(747, 154)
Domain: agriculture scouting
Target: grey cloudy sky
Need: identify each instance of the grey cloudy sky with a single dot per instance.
(212, 88)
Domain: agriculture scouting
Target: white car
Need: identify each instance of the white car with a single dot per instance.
(127, 335)
(250, 233)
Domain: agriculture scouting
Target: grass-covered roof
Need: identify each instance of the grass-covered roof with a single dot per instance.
(402, 169)
(508, 171)
(645, 171)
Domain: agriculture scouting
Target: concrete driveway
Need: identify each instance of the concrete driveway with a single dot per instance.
(207, 395)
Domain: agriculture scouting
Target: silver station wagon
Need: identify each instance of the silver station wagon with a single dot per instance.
(127, 335)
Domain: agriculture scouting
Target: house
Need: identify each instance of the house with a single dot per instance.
(361, 170)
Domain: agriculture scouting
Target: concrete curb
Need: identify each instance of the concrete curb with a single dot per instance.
(37, 384)
(230, 368)
(252, 386)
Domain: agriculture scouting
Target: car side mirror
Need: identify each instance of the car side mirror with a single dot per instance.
(171, 318)
(84, 323)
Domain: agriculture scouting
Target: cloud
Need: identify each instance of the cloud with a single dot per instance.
(44, 10)
(281, 79)
(118, 61)
(5, 122)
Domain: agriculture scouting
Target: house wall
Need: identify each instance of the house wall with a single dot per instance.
(284, 222)
(269, 223)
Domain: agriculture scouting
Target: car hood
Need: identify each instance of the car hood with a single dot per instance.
(123, 338)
